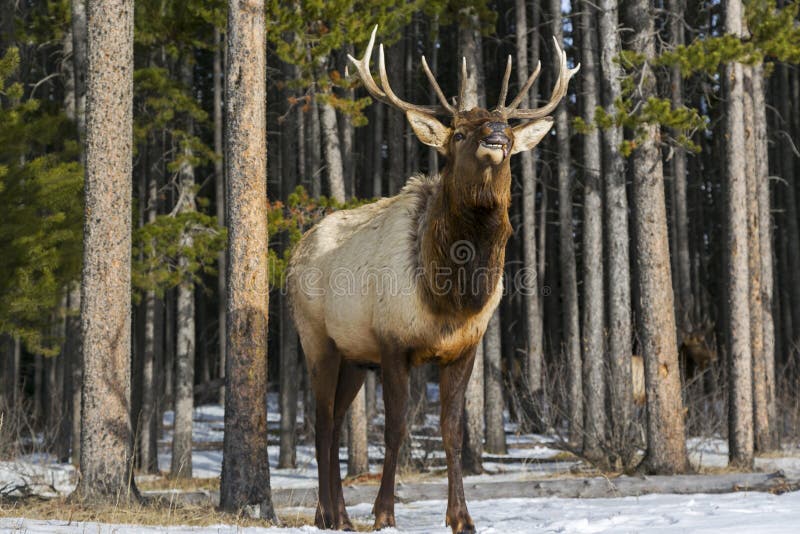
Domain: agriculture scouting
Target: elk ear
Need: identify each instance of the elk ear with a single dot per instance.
(429, 130)
(528, 135)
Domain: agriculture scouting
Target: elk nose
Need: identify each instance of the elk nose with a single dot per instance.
(495, 133)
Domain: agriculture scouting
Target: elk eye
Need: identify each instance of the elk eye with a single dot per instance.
(458, 136)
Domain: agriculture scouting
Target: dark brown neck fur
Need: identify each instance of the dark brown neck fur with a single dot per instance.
(462, 247)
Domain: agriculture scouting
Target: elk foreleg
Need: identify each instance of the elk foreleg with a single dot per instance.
(350, 380)
(453, 379)
(395, 368)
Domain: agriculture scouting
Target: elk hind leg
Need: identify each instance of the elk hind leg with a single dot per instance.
(395, 369)
(324, 373)
(351, 377)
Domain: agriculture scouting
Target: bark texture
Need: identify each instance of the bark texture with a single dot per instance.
(616, 233)
(181, 466)
(289, 379)
(534, 356)
(106, 434)
(219, 201)
(766, 247)
(469, 45)
(761, 428)
(357, 459)
(244, 485)
(569, 279)
(493, 387)
(666, 441)
(740, 374)
(333, 151)
(593, 323)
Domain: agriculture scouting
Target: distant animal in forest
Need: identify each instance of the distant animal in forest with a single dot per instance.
(412, 279)
(695, 356)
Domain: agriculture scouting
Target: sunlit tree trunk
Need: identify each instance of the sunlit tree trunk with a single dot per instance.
(766, 247)
(740, 374)
(245, 485)
(761, 429)
(106, 434)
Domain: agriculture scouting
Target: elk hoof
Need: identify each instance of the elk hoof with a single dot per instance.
(384, 520)
(346, 525)
(461, 523)
(324, 521)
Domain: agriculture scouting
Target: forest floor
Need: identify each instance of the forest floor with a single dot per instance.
(535, 487)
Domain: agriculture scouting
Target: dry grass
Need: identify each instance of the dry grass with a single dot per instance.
(162, 483)
(160, 512)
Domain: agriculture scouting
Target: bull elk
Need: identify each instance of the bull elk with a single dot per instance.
(412, 279)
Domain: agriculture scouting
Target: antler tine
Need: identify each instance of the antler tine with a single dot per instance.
(393, 98)
(362, 68)
(525, 88)
(462, 90)
(439, 93)
(559, 90)
(501, 102)
(385, 93)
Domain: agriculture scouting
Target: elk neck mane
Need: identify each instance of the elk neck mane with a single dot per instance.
(460, 236)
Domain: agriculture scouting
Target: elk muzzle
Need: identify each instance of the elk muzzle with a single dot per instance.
(495, 144)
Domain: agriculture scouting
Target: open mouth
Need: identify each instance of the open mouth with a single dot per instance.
(493, 146)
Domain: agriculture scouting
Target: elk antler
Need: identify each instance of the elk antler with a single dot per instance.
(559, 89)
(384, 93)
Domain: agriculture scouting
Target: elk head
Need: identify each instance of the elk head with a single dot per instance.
(476, 139)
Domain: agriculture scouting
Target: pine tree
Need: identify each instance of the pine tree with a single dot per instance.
(245, 468)
(106, 434)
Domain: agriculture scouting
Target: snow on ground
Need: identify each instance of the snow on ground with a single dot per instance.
(530, 456)
(735, 512)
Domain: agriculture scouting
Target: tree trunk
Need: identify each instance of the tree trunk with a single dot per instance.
(533, 346)
(396, 123)
(740, 374)
(377, 151)
(593, 324)
(219, 200)
(289, 379)
(181, 466)
(357, 459)
(79, 61)
(681, 231)
(333, 152)
(666, 442)
(245, 483)
(106, 436)
(371, 396)
(473, 419)
(766, 249)
(469, 44)
(569, 283)
(153, 341)
(616, 233)
(433, 57)
(314, 149)
(493, 387)
(761, 429)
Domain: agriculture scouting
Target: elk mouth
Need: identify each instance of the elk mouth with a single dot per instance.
(492, 144)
